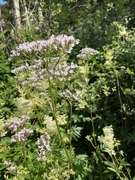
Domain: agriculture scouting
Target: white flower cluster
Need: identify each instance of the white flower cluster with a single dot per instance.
(16, 123)
(43, 146)
(17, 126)
(22, 135)
(62, 72)
(60, 43)
(50, 125)
(10, 167)
(36, 73)
(69, 95)
(24, 105)
(85, 52)
(108, 141)
(49, 60)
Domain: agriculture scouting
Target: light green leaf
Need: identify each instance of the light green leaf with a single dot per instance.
(129, 71)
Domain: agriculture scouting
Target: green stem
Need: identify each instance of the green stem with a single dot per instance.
(57, 125)
(70, 125)
(120, 100)
(93, 129)
(116, 162)
(23, 151)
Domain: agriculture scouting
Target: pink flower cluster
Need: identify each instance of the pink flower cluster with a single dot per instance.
(62, 72)
(17, 126)
(43, 146)
(60, 43)
(69, 95)
(51, 64)
(43, 70)
(22, 135)
(10, 167)
(16, 123)
(87, 52)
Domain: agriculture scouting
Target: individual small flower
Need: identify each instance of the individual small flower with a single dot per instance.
(108, 141)
(87, 52)
(22, 135)
(16, 123)
(43, 146)
(13, 139)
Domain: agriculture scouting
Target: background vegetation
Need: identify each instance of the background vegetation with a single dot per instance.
(75, 126)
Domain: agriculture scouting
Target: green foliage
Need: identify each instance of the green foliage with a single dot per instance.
(7, 90)
(76, 132)
(104, 83)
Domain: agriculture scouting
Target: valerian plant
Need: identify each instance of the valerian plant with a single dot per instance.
(42, 81)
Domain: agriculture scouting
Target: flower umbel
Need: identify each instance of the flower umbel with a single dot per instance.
(61, 43)
(87, 52)
(22, 135)
(16, 123)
